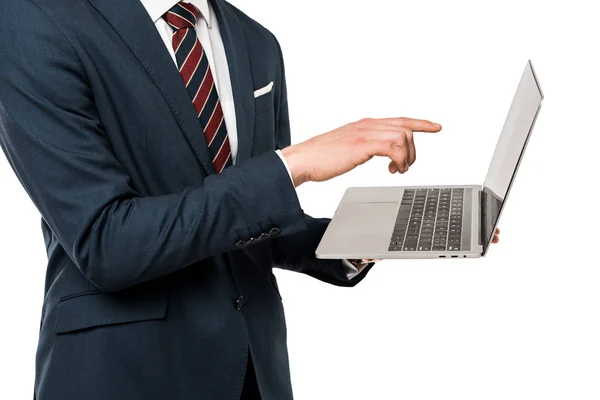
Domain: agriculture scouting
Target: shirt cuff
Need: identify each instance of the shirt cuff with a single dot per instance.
(280, 154)
(353, 271)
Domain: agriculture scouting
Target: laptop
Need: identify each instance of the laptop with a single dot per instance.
(379, 223)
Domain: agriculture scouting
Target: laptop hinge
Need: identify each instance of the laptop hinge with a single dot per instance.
(482, 216)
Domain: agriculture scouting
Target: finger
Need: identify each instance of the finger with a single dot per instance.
(496, 239)
(392, 144)
(416, 125)
(412, 151)
(404, 146)
(392, 168)
(497, 231)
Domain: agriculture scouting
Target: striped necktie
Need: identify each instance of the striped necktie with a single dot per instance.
(197, 76)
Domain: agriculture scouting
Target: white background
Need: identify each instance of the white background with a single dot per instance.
(523, 323)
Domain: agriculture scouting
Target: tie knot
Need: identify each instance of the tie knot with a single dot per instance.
(182, 15)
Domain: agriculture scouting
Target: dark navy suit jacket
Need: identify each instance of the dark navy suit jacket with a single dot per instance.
(150, 292)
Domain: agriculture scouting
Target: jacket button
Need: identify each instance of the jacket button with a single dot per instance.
(274, 231)
(252, 241)
(239, 303)
(241, 244)
(263, 237)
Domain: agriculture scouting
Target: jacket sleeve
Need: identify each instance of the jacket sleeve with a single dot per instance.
(53, 138)
(297, 252)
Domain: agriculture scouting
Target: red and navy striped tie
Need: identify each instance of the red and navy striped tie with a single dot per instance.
(195, 72)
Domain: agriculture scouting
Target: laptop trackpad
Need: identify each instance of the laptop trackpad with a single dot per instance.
(361, 228)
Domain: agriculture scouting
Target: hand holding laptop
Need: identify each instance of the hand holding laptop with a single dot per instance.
(334, 153)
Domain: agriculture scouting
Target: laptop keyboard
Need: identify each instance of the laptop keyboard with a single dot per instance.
(429, 220)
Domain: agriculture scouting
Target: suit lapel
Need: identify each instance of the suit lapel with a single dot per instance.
(238, 59)
(131, 21)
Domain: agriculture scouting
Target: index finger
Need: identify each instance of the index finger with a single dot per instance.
(416, 125)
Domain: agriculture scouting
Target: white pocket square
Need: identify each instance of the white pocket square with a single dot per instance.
(263, 91)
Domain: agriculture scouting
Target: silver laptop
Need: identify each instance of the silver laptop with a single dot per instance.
(441, 221)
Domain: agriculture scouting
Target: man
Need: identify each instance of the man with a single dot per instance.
(153, 137)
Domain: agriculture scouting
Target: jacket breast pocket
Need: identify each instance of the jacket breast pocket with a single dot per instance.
(264, 98)
(97, 309)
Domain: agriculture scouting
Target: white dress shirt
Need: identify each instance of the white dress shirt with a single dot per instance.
(207, 30)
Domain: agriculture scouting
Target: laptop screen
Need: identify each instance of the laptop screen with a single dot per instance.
(509, 150)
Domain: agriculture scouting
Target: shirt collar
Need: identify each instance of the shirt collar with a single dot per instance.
(157, 8)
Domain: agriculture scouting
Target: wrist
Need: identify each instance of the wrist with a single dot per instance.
(295, 165)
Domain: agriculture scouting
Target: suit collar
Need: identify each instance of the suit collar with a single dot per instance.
(240, 72)
(131, 22)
